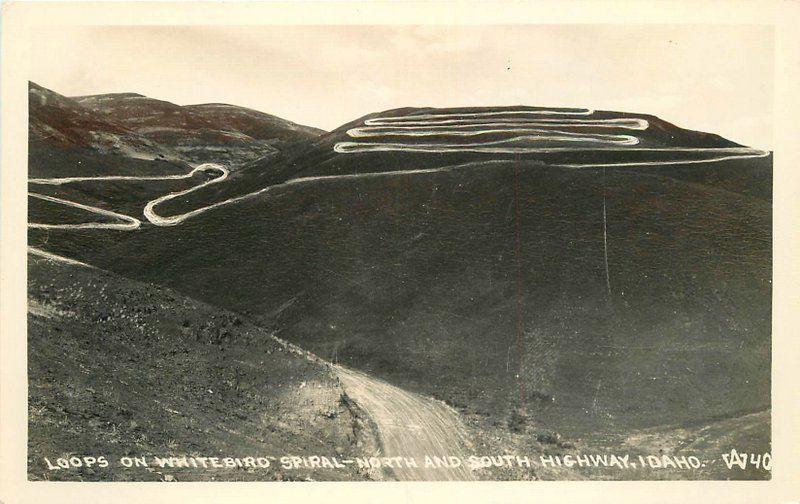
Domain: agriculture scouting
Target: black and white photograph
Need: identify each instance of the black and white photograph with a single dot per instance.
(399, 253)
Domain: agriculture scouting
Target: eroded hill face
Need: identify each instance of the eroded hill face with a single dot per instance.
(118, 367)
(74, 136)
(253, 123)
(63, 123)
(202, 133)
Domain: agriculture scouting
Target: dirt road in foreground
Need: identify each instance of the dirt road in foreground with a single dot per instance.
(409, 425)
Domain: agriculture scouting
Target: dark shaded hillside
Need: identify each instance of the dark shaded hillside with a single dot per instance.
(320, 159)
(420, 279)
(48, 161)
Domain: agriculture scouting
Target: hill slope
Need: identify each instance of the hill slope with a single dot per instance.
(417, 140)
(217, 133)
(119, 368)
(64, 135)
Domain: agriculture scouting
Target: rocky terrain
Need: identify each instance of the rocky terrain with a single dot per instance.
(121, 368)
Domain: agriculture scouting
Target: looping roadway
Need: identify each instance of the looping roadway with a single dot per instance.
(128, 223)
(536, 129)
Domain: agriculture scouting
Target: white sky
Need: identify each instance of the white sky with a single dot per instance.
(707, 77)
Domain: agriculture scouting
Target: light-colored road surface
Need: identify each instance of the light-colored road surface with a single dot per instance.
(409, 425)
(494, 146)
(484, 123)
(200, 168)
(128, 223)
(124, 222)
(55, 257)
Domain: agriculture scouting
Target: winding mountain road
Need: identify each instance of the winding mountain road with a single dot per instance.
(525, 129)
(526, 126)
(125, 222)
(128, 223)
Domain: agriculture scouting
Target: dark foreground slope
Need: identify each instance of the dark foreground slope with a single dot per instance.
(120, 368)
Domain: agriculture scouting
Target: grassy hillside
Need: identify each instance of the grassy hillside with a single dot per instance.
(320, 159)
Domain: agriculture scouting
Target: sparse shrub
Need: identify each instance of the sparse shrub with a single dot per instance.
(517, 421)
(549, 438)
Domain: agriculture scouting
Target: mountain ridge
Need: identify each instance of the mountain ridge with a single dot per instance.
(204, 132)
